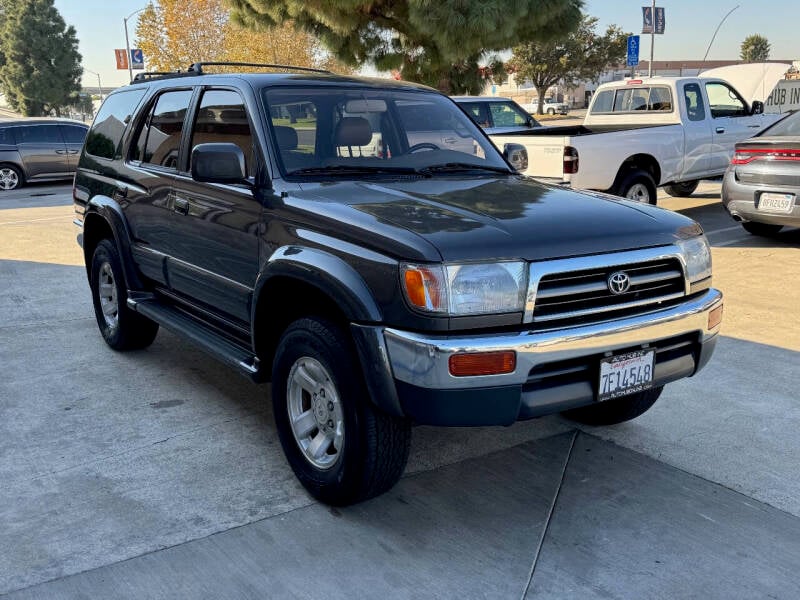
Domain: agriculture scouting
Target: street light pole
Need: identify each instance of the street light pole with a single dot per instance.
(127, 42)
(713, 37)
(99, 85)
(652, 38)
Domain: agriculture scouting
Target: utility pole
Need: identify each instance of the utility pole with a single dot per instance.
(652, 39)
(128, 44)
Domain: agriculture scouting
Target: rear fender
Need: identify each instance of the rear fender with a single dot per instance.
(103, 211)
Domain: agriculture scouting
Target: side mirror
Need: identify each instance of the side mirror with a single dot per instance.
(757, 108)
(218, 163)
(531, 122)
(516, 155)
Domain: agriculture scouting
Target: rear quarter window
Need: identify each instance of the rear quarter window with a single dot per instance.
(109, 125)
(7, 136)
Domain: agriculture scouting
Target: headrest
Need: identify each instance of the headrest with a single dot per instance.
(353, 131)
(287, 137)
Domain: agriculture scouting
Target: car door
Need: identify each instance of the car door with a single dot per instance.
(698, 135)
(214, 253)
(731, 122)
(507, 118)
(152, 165)
(43, 151)
(74, 136)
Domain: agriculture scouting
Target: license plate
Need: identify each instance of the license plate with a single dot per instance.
(776, 202)
(626, 374)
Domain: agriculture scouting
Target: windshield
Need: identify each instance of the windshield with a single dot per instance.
(332, 131)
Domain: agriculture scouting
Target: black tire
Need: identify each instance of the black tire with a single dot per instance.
(617, 410)
(374, 446)
(10, 183)
(551, 112)
(682, 190)
(633, 181)
(124, 329)
(762, 229)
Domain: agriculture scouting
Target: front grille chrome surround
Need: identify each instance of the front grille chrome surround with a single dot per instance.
(575, 289)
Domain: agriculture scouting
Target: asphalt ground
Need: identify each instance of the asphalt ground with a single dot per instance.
(158, 474)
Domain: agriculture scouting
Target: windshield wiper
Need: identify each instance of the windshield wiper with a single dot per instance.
(353, 170)
(454, 167)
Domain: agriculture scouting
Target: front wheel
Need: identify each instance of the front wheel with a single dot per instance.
(762, 229)
(339, 445)
(551, 112)
(617, 410)
(682, 190)
(638, 185)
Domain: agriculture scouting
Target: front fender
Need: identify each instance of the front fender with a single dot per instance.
(102, 210)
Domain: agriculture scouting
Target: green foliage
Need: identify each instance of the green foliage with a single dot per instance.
(437, 42)
(755, 48)
(40, 67)
(581, 55)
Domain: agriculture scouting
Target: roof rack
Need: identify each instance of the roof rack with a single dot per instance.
(197, 68)
(161, 75)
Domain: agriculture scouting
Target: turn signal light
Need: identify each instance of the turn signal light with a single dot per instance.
(715, 317)
(483, 363)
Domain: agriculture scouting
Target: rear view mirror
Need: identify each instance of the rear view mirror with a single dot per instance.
(218, 163)
(517, 156)
(365, 106)
(757, 108)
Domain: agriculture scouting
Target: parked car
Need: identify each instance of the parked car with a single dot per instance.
(496, 115)
(38, 150)
(762, 183)
(432, 284)
(640, 134)
(550, 106)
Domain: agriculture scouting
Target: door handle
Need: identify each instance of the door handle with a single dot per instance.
(61, 151)
(720, 130)
(72, 151)
(754, 126)
(181, 206)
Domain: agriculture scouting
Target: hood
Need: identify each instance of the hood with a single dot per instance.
(754, 81)
(470, 219)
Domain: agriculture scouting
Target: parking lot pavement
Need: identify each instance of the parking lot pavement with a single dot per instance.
(158, 473)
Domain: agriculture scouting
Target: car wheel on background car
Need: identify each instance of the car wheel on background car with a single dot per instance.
(10, 177)
(638, 185)
(551, 111)
(617, 410)
(121, 328)
(682, 190)
(762, 229)
(341, 447)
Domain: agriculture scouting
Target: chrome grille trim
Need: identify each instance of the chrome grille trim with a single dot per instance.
(616, 260)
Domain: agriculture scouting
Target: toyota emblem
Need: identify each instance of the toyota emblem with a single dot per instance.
(619, 283)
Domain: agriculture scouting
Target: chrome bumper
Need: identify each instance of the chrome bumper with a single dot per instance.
(423, 360)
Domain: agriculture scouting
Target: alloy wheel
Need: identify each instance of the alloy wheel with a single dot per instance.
(107, 293)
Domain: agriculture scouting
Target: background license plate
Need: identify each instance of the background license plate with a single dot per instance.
(626, 374)
(776, 202)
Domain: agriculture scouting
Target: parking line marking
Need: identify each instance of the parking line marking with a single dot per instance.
(724, 229)
(32, 220)
(731, 242)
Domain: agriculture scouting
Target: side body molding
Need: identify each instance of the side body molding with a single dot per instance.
(103, 207)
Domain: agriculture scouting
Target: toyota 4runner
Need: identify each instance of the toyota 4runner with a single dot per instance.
(361, 244)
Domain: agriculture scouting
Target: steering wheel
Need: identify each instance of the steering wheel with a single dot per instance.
(422, 146)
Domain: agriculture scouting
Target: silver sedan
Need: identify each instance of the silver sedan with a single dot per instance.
(762, 183)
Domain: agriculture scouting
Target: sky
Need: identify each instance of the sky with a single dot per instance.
(690, 25)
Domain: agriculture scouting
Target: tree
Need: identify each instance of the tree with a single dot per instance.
(40, 67)
(755, 48)
(440, 43)
(581, 55)
(168, 35)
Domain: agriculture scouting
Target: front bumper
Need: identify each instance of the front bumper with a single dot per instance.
(555, 370)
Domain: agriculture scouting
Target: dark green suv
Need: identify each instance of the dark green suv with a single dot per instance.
(361, 244)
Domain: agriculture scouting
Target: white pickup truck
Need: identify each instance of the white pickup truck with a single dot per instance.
(639, 134)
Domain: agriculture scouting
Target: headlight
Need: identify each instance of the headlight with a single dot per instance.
(470, 289)
(697, 254)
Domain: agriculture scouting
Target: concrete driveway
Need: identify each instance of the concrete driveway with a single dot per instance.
(158, 474)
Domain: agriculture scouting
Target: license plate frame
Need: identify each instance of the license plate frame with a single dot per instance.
(772, 202)
(626, 373)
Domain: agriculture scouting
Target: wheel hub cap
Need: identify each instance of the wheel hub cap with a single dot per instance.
(107, 294)
(8, 179)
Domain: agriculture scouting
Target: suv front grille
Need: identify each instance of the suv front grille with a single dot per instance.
(585, 295)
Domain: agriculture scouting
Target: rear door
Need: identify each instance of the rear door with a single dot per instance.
(731, 122)
(74, 136)
(214, 251)
(507, 118)
(43, 151)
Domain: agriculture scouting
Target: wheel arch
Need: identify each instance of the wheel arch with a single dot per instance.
(104, 219)
(646, 162)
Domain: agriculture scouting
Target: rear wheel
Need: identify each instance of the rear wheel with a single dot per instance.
(341, 447)
(10, 177)
(121, 328)
(638, 185)
(617, 410)
(682, 190)
(763, 229)
(551, 111)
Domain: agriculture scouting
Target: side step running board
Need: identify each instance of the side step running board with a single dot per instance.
(206, 338)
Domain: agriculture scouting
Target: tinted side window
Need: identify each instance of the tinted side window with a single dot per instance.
(39, 134)
(7, 136)
(695, 106)
(222, 118)
(164, 127)
(478, 112)
(73, 134)
(105, 135)
(604, 102)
